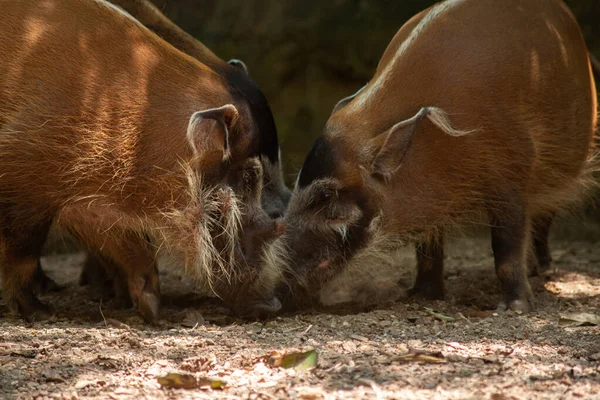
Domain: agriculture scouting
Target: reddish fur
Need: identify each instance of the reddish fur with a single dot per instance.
(93, 116)
(514, 72)
(152, 18)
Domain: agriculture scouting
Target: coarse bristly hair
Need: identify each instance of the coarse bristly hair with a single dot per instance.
(276, 266)
(211, 214)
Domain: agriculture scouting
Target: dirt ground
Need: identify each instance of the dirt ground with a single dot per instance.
(94, 351)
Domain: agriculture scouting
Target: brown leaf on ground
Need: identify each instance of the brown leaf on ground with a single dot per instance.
(193, 319)
(176, 380)
(421, 357)
(198, 364)
(51, 376)
(579, 319)
(300, 360)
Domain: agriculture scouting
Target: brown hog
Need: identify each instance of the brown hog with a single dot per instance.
(275, 194)
(477, 108)
(115, 135)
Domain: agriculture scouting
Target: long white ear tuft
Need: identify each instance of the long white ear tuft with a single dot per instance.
(202, 138)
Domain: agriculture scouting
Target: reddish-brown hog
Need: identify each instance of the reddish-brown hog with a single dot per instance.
(275, 194)
(477, 108)
(115, 135)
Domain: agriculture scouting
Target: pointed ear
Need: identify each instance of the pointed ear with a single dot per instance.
(238, 64)
(393, 145)
(203, 136)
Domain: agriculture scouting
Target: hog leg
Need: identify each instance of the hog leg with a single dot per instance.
(510, 241)
(430, 269)
(106, 279)
(42, 282)
(94, 274)
(19, 257)
(532, 261)
(540, 234)
(117, 278)
(132, 255)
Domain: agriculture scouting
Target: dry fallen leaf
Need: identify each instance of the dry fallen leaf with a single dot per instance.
(211, 383)
(579, 319)
(25, 353)
(198, 364)
(177, 380)
(84, 383)
(479, 314)
(437, 315)
(51, 376)
(193, 318)
(421, 356)
(300, 361)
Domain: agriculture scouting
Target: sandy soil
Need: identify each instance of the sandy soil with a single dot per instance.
(91, 350)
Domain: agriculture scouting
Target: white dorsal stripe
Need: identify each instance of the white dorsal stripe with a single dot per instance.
(120, 10)
(373, 88)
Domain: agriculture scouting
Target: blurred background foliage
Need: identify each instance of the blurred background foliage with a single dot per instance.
(308, 54)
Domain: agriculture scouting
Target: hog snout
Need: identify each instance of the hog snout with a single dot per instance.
(248, 301)
(257, 308)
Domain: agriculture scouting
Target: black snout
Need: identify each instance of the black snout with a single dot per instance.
(258, 308)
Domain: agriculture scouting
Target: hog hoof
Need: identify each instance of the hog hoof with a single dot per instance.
(523, 306)
(429, 292)
(149, 306)
(544, 270)
(540, 270)
(39, 315)
(121, 293)
(32, 310)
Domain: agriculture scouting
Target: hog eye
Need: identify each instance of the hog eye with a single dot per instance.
(326, 195)
(249, 178)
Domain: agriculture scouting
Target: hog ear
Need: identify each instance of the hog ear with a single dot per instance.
(238, 64)
(396, 143)
(203, 136)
